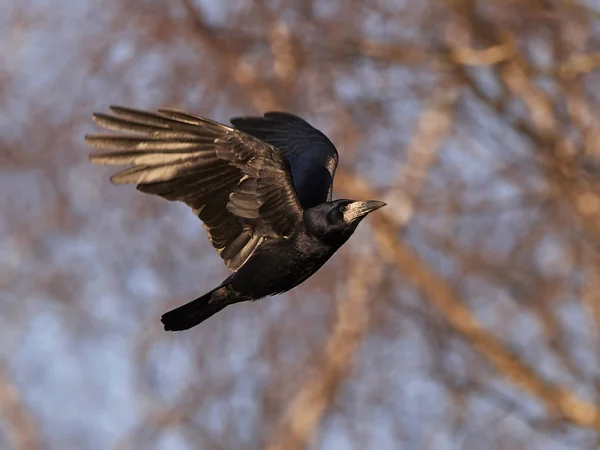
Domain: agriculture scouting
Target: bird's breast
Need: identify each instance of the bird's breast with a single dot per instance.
(280, 265)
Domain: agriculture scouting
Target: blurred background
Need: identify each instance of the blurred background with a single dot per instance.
(464, 315)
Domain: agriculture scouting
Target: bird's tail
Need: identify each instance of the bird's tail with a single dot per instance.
(193, 313)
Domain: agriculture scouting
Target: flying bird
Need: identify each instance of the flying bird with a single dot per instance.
(262, 188)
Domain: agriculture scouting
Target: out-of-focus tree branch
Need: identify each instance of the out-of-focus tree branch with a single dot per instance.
(433, 127)
(556, 150)
(21, 430)
(559, 400)
(310, 403)
(318, 392)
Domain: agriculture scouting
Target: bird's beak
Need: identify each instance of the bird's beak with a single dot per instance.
(358, 210)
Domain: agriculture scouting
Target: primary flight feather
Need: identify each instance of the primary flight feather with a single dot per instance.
(262, 188)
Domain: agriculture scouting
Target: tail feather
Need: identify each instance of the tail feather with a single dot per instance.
(192, 313)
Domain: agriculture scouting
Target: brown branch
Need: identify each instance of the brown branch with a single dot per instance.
(489, 56)
(559, 400)
(318, 392)
(556, 152)
(310, 403)
(21, 429)
(433, 127)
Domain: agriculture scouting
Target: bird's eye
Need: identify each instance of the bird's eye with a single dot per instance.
(343, 208)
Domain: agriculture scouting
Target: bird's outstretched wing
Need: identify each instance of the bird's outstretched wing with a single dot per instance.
(312, 157)
(238, 186)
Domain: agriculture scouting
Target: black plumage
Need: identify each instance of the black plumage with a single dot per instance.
(311, 155)
(262, 189)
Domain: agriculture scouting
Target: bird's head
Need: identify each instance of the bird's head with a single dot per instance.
(334, 222)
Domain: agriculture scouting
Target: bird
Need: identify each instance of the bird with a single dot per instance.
(262, 188)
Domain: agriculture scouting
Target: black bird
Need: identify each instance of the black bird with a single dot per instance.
(262, 188)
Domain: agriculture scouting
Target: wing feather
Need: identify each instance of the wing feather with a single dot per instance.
(312, 157)
(240, 187)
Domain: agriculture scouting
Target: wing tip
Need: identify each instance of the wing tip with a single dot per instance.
(93, 140)
(95, 158)
(105, 141)
(117, 109)
(120, 178)
(101, 118)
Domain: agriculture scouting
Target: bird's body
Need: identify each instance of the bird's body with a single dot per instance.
(277, 267)
(262, 189)
(273, 269)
